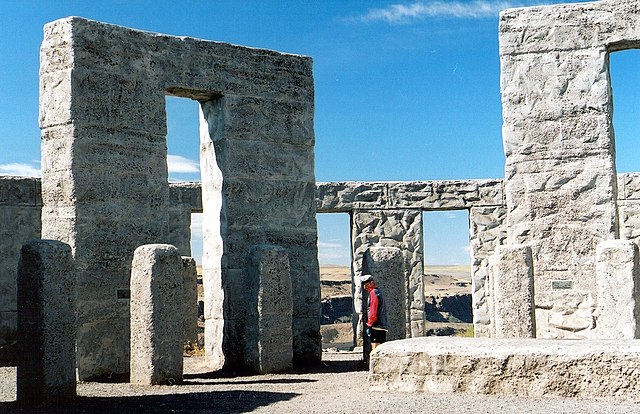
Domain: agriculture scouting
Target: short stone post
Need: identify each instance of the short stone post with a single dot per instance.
(269, 346)
(156, 315)
(46, 324)
(190, 302)
(618, 290)
(385, 264)
(512, 271)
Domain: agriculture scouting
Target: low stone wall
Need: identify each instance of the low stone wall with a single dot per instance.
(523, 367)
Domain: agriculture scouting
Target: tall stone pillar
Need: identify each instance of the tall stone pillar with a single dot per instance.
(560, 174)
(104, 176)
(46, 324)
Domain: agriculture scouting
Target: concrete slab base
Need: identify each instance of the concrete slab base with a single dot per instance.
(523, 367)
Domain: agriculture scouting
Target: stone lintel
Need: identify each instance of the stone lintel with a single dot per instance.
(523, 367)
(333, 197)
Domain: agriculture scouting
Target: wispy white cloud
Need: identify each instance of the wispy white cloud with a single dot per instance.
(20, 169)
(476, 9)
(181, 165)
(328, 245)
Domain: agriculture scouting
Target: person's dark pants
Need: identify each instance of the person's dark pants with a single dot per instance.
(377, 336)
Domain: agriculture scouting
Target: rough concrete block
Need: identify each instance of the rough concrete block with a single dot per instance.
(386, 264)
(46, 323)
(507, 367)
(157, 299)
(618, 290)
(269, 345)
(512, 272)
(190, 301)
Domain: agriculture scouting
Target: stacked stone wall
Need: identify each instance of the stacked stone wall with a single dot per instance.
(389, 214)
(102, 114)
(560, 179)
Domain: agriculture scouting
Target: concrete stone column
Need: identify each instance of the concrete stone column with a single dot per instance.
(190, 301)
(618, 290)
(46, 323)
(487, 229)
(512, 271)
(156, 315)
(386, 264)
(269, 339)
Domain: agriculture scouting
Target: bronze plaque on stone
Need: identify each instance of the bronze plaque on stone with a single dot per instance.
(561, 284)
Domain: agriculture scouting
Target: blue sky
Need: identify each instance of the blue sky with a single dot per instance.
(404, 90)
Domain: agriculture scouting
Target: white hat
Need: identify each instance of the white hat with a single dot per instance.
(366, 278)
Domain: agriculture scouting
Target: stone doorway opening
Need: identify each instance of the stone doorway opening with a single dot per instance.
(447, 273)
(625, 95)
(336, 281)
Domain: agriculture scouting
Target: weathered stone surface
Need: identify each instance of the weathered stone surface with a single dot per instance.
(20, 207)
(269, 338)
(615, 23)
(157, 321)
(487, 230)
(618, 290)
(513, 291)
(46, 323)
(561, 188)
(524, 367)
(190, 300)
(386, 264)
(104, 166)
(427, 195)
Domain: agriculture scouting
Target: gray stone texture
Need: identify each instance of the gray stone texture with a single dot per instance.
(395, 229)
(347, 196)
(560, 180)
(105, 186)
(513, 292)
(157, 322)
(20, 205)
(618, 290)
(46, 324)
(507, 367)
(487, 230)
(386, 265)
(269, 338)
(190, 299)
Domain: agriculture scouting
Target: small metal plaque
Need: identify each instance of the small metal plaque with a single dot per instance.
(561, 284)
(124, 294)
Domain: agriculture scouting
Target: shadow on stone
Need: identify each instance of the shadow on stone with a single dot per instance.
(223, 401)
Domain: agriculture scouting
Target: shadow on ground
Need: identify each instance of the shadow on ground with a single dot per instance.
(192, 403)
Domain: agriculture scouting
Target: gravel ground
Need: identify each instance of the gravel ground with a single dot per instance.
(339, 386)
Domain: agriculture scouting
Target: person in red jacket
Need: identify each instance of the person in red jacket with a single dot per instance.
(376, 323)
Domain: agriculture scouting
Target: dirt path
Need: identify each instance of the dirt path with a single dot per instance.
(339, 386)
